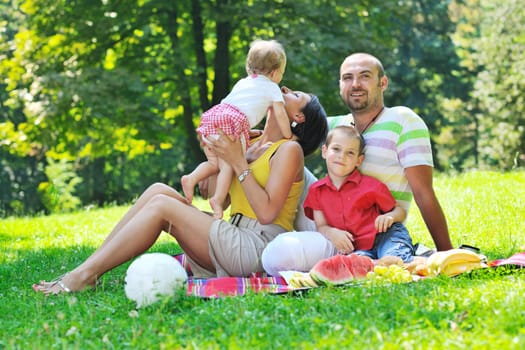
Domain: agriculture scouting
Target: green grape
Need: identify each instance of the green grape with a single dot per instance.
(390, 274)
(380, 270)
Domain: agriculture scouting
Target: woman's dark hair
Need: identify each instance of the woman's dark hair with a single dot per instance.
(312, 133)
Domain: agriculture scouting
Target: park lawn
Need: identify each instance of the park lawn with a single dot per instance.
(477, 311)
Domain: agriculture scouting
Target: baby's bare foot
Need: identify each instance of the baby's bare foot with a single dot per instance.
(187, 187)
(217, 208)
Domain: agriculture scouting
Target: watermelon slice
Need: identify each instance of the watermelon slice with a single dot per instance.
(341, 269)
(360, 265)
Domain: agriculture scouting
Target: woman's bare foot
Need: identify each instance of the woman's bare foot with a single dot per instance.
(63, 284)
(53, 287)
(187, 187)
(217, 208)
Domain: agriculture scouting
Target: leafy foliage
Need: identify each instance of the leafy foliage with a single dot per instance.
(57, 192)
(117, 85)
(500, 85)
(485, 122)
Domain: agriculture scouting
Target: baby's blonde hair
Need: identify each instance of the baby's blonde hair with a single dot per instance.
(264, 57)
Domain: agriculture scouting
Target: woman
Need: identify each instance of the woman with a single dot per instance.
(263, 204)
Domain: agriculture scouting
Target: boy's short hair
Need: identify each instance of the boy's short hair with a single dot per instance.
(264, 57)
(350, 132)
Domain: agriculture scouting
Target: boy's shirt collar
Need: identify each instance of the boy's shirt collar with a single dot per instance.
(354, 177)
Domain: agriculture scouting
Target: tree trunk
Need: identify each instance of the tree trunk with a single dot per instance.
(221, 84)
(184, 91)
(198, 39)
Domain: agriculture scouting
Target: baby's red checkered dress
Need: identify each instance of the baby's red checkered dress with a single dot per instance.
(227, 118)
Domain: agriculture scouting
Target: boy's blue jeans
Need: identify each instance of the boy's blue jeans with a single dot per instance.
(395, 242)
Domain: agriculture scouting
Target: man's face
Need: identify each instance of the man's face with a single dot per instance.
(359, 83)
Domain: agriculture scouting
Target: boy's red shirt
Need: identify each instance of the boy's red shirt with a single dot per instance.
(353, 208)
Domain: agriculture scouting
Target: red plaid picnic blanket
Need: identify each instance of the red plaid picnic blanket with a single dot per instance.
(232, 286)
(260, 282)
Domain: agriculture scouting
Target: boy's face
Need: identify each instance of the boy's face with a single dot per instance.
(342, 155)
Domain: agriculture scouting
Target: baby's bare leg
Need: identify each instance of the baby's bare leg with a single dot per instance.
(224, 180)
(201, 172)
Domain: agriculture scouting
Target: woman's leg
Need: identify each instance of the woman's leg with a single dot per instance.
(188, 225)
(145, 197)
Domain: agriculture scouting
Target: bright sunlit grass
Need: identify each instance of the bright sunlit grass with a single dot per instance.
(483, 209)
(481, 311)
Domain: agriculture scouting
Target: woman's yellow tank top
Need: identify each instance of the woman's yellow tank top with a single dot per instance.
(261, 171)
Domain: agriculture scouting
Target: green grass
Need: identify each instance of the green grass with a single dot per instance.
(479, 311)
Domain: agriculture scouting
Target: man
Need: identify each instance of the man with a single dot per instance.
(398, 145)
(398, 153)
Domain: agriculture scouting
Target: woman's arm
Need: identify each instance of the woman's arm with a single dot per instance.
(286, 167)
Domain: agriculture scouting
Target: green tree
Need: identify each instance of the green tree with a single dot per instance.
(486, 124)
(458, 138)
(20, 171)
(500, 84)
(117, 87)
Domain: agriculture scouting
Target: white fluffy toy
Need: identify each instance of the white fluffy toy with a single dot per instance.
(152, 276)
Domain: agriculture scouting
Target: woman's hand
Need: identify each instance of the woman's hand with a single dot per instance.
(229, 150)
(286, 167)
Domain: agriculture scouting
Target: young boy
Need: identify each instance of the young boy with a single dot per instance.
(357, 213)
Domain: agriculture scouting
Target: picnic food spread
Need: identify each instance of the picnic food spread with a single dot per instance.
(344, 269)
(386, 270)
